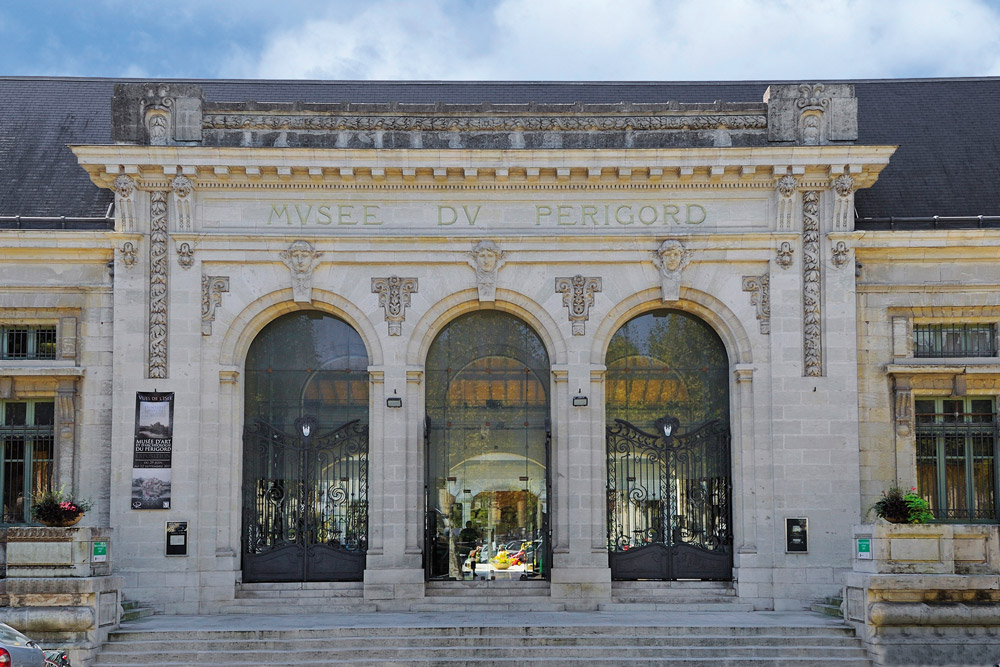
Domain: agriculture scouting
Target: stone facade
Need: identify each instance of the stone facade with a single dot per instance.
(378, 214)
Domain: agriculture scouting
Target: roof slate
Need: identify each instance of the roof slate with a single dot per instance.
(946, 130)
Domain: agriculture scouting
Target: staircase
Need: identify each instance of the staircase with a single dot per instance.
(487, 596)
(393, 644)
(679, 596)
(299, 598)
(132, 610)
(829, 606)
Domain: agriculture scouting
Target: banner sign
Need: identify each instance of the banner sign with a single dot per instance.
(154, 444)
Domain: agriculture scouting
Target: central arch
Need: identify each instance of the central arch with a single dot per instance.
(487, 449)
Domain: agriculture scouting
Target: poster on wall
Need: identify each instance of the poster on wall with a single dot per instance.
(154, 444)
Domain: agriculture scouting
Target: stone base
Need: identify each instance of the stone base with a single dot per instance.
(402, 585)
(581, 588)
(74, 614)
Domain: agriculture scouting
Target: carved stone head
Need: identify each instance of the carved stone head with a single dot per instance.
(299, 256)
(672, 256)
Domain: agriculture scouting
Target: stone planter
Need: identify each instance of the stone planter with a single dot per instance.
(929, 548)
(56, 552)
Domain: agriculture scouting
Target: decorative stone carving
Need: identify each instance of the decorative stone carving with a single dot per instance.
(129, 254)
(843, 205)
(812, 96)
(676, 120)
(157, 127)
(786, 209)
(812, 315)
(486, 258)
(124, 188)
(67, 338)
(841, 254)
(671, 258)
(185, 255)
(212, 289)
(301, 259)
(784, 255)
(760, 296)
(158, 284)
(394, 298)
(811, 114)
(578, 296)
(182, 188)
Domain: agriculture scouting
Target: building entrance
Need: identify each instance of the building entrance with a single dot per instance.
(668, 450)
(305, 452)
(487, 442)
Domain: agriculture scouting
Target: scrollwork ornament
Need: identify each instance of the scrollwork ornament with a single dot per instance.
(185, 255)
(760, 296)
(578, 296)
(812, 314)
(784, 255)
(158, 285)
(811, 96)
(129, 254)
(394, 298)
(212, 289)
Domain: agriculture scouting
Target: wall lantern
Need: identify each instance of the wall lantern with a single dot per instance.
(580, 401)
(394, 401)
(305, 426)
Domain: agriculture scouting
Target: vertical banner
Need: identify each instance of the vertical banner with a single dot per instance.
(154, 444)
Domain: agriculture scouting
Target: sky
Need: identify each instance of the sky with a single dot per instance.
(538, 40)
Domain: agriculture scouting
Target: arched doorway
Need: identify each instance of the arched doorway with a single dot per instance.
(668, 442)
(487, 446)
(305, 451)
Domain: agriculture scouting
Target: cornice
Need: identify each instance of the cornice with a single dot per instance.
(223, 168)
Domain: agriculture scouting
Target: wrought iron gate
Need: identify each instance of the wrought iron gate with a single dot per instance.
(305, 502)
(669, 505)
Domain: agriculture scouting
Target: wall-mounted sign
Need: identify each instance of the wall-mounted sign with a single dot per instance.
(154, 443)
(177, 538)
(796, 536)
(99, 552)
(864, 548)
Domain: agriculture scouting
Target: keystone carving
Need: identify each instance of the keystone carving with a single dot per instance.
(185, 255)
(124, 188)
(671, 258)
(394, 298)
(301, 259)
(760, 296)
(212, 289)
(158, 284)
(486, 258)
(578, 296)
(784, 255)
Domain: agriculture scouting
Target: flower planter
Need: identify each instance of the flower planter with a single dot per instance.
(66, 523)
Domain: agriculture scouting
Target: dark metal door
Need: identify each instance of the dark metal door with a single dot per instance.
(669, 502)
(305, 503)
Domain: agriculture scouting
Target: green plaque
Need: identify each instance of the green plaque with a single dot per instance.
(864, 548)
(99, 552)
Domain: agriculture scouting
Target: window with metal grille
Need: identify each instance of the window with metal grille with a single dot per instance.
(954, 340)
(956, 457)
(27, 342)
(27, 438)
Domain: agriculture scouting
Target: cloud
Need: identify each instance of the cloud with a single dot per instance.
(634, 40)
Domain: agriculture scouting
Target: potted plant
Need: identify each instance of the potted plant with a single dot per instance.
(898, 506)
(57, 509)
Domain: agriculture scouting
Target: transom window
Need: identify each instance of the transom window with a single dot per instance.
(956, 457)
(27, 342)
(26, 434)
(955, 340)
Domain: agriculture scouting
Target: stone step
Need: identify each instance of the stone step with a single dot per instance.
(132, 610)
(344, 640)
(282, 606)
(684, 598)
(272, 594)
(677, 606)
(610, 661)
(676, 585)
(829, 606)
(493, 604)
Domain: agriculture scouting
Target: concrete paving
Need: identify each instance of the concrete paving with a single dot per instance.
(164, 623)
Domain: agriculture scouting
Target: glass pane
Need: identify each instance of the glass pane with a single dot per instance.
(15, 414)
(983, 476)
(13, 476)
(955, 480)
(307, 363)
(927, 471)
(488, 407)
(924, 411)
(44, 414)
(667, 363)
